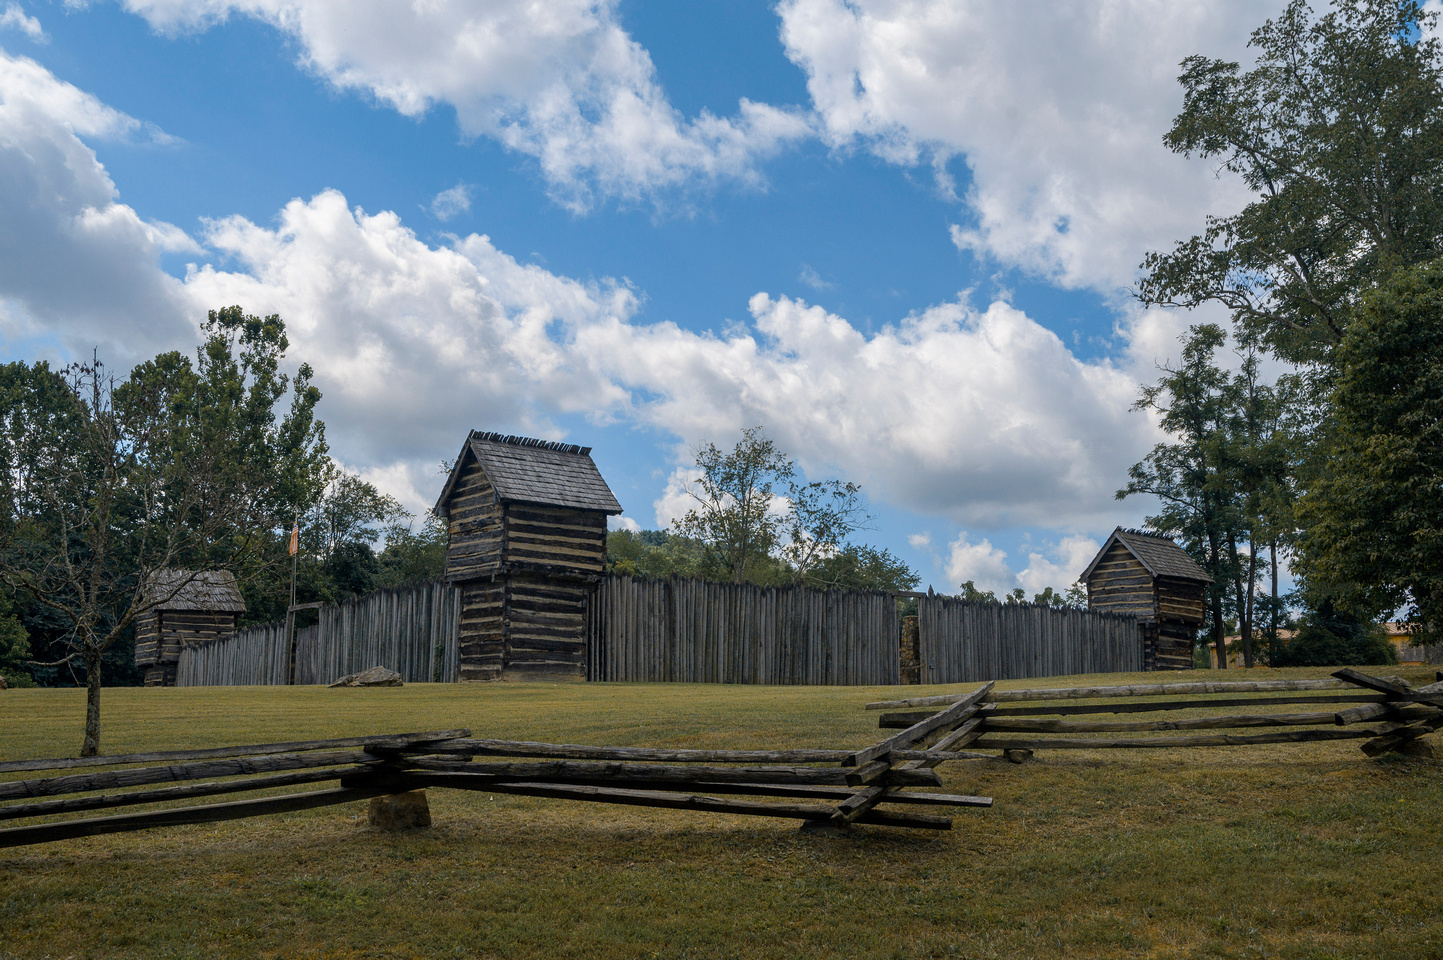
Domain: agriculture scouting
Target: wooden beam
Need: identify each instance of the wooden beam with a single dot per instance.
(16, 811)
(254, 750)
(1216, 740)
(1392, 690)
(953, 715)
(1134, 690)
(210, 813)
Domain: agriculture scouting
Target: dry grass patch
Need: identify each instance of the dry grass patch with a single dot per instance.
(1288, 851)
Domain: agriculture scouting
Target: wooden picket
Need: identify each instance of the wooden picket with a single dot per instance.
(410, 629)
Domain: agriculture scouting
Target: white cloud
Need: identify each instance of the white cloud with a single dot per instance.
(13, 17)
(1058, 110)
(674, 501)
(920, 541)
(449, 203)
(623, 523)
(74, 262)
(813, 279)
(1059, 566)
(560, 81)
(983, 564)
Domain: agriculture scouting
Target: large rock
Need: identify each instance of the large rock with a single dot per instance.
(401, 811)
(374, 677)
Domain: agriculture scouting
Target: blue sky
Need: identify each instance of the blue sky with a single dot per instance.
(898, 236)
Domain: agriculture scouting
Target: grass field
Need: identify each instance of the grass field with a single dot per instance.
(1287, 851)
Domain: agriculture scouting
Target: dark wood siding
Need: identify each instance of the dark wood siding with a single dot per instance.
(1121, 584)
(545, 628)
(475, 533)
(1184, 601)
(556, 538)
(481, 650)
(147, 639)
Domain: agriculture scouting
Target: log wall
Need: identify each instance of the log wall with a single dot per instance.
(411, 629)
(1121, 584)
(475, 535)
(697, 631)
(964, 642)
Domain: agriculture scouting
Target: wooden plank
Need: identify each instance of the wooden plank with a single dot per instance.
(394, 740)
(953, 715)
(1396, 738)
(619, 771)
(1376, 710)
(1033, 725)
(1073, 709)
(1216, 740)
(1389, 687)
(573, 751)
(675, 801)
(1133, 690)
(210, 813)
(17, 811)
(134, 777)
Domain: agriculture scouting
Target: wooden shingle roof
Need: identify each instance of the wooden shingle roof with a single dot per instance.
(525, 470)
(1159, 555)
(209, 590)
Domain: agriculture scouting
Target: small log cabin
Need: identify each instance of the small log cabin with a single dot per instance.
(186, 608)
(526, 524)
(1153, 579)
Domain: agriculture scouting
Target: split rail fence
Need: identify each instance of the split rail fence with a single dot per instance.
(1384, 712)
(412, 630)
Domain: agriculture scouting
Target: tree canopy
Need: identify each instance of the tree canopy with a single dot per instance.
(1338, 132)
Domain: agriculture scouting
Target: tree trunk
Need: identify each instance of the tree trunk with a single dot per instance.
(1247, 615)
(91, 747)
(1219, 641)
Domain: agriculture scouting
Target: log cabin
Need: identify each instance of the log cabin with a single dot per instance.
(1153, 579)
(526, 525)
(185, 608)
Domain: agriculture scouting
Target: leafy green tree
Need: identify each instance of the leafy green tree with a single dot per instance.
(856, 567)
(103, 483)
(1330, 637)
(14, 648)
(1338, 132)
(655, 553)
(1372, 513)
(413, 556)
(1073, 598)
(971, 594)
(758, 522)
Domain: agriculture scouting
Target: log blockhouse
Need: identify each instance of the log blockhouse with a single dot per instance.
(186, 608)
(1153, 579)
(526, 521)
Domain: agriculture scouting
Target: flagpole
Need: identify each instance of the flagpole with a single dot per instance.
(291, 609)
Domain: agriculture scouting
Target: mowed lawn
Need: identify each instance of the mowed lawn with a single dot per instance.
(1306, 851)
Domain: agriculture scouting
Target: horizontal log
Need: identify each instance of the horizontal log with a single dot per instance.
(210, 813)
(618, 771)
(253, 750)
(1391, 687)
(1032, 725)
(139, 776)
(16, 811)
(680, 801)
(573, 751)
(1158, 706)
(1133, 690)
(1216, 740)
(1396, 738)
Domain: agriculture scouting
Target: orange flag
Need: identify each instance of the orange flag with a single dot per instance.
(295, 538)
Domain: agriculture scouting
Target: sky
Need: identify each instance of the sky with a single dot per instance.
(898, 235)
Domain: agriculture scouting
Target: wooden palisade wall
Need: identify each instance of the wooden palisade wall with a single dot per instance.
(967, 642)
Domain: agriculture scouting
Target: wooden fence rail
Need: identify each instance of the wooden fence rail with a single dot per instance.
(967, 642)
(410, 629)
(698, 631)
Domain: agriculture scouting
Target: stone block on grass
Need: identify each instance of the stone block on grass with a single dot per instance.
(401, 811)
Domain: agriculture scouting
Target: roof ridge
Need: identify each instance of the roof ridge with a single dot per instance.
(517, 441)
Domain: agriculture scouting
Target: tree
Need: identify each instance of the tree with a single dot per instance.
(757, 521)
(104, 483)
(1373, 514)
(1338, 132)
(1329, 637)
(413, 556)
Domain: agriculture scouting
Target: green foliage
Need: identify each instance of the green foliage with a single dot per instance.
(1373, 513)
(755, 521)
(1074, 598)
(971, 594)
(1337, 130)
(655, 553)
(1329, 637)
(14, 647)
(413, 556)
